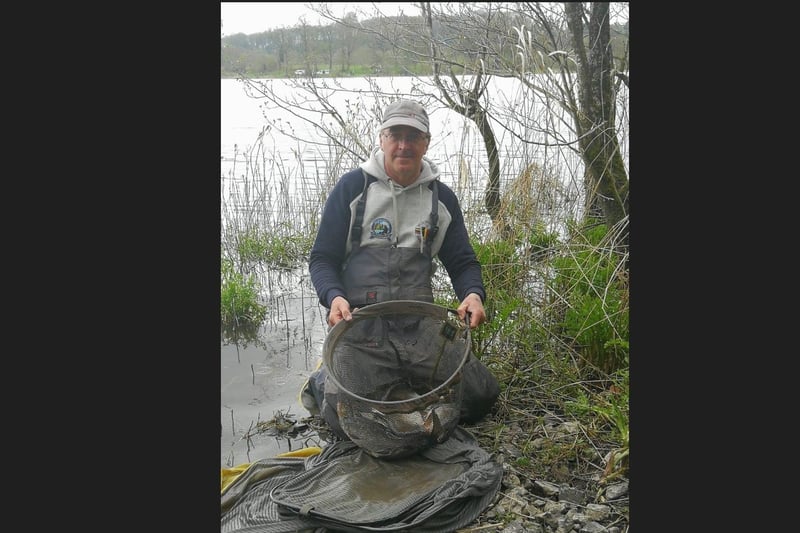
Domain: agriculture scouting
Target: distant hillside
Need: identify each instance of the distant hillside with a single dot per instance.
(342, 51)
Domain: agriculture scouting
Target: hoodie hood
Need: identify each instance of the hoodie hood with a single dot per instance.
(374, 166)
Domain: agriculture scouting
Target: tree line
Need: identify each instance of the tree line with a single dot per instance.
(353, 47)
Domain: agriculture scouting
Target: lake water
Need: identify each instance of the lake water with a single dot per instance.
(262, 379)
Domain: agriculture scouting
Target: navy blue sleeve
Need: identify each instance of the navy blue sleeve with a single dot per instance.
(456, 253)
(328, 252)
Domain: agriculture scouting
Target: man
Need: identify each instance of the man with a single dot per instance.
(382, 225)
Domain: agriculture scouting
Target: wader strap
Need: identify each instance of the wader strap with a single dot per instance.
(434, 229)
(355, 233)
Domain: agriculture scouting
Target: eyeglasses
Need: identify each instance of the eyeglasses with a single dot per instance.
(409, 138)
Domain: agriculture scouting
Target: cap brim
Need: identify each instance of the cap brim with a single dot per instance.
(405, 121)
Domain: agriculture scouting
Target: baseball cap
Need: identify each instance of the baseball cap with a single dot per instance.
(405, 113)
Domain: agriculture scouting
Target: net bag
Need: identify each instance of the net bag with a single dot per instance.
(343, 489)
(395, 372)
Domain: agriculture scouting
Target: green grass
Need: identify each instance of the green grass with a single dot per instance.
(239, 301)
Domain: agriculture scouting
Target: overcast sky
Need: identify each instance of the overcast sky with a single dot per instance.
(255, 17)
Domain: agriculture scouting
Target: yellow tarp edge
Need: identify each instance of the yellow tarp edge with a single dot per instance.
(229, 475)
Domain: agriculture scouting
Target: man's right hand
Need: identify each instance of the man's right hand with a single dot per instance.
(340, 310)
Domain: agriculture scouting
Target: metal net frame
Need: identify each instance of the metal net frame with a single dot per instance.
(394, 372)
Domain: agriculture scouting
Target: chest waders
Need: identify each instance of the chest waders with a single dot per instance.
(379, 274)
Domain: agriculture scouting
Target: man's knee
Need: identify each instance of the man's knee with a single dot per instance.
(480, 390)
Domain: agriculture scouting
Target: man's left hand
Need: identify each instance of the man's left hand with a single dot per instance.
(473, 305)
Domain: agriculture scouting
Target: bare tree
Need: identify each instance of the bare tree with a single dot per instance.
(465, 99)
(580, 71)
(328, 36)
(305, 45)
(283, 48)
(348, 36)
(606, 177)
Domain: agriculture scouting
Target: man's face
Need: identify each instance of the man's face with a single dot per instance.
(403, 147)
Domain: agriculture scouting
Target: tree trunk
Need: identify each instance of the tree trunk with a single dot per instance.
(492, 194)
(607, 180)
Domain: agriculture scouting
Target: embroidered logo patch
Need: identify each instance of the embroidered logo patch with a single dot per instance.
(380, 229)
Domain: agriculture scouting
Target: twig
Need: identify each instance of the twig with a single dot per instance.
(288, 343)
(479, 528)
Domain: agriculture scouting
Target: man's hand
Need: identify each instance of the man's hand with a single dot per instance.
(473, 305)
(340, 310)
